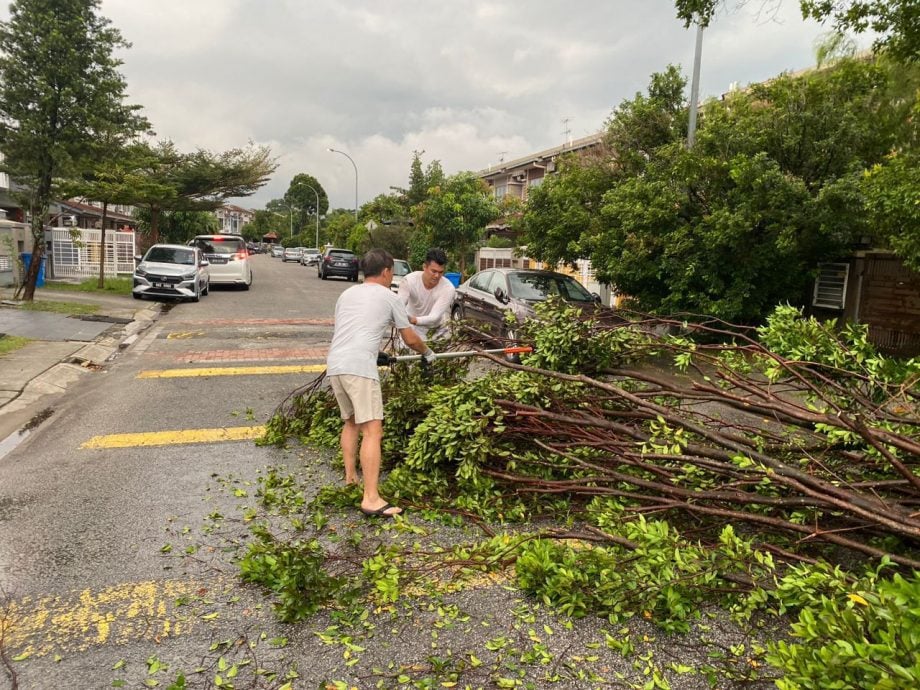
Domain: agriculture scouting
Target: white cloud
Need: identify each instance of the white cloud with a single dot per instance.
(462, 80)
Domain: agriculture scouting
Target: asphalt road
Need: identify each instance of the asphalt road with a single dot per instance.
(82, 528)
(119, 514)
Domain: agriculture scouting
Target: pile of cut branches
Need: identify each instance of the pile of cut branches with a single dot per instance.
(714, 424)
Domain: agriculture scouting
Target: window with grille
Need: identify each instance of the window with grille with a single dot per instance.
(831, 286)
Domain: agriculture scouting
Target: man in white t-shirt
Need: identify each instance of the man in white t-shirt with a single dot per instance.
(364, 315)
(428, 296)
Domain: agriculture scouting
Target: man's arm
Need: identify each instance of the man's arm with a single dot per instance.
(441, 307)
(414, 340)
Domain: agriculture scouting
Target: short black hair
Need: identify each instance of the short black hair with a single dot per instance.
(437, 255)
(375, 262)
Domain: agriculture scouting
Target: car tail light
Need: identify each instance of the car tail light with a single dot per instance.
(239, 256)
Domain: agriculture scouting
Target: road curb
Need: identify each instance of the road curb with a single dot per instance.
(53, 377)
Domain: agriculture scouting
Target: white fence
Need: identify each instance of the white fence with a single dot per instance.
(75, 252)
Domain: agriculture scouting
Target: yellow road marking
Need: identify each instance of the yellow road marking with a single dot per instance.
(184, 335)
(116, 615)
(169, 438)
(232, 371)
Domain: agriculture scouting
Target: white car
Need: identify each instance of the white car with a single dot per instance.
(400, 270)
(291, 254)
(309, 257)
(171, 270)
(276, 251)
(229, 259)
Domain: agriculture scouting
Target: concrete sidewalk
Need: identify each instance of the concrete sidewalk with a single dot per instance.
(61, 350)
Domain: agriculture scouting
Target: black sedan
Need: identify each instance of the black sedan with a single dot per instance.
(338, 262)
(485, 298)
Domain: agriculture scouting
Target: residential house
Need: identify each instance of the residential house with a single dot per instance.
(232, 219)
(515, 177)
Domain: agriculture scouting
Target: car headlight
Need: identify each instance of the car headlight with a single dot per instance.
(140, 273)
(187, 277)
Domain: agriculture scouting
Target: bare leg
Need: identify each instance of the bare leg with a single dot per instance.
(350, 450)
(372, 434)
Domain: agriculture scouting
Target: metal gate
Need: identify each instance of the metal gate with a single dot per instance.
(75, 252)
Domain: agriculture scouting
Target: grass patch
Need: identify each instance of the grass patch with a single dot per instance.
(73, 308)
(10, 343)
(115, 286)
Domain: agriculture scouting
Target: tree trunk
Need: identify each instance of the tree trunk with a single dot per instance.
(101, 283)
(154, 225)
(38, 250)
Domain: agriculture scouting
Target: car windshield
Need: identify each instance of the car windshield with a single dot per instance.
(219, 245)
(537, 287)
(171, 255)
(401, 268)
(342, 255)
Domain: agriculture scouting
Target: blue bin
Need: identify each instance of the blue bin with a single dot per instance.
(453, 278)
(27, 261)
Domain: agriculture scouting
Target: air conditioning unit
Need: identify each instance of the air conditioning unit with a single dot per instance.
(68, 221)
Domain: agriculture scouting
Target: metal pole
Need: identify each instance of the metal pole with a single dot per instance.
(356, 179)
(520, 349)
(695, 87)
(317, 213)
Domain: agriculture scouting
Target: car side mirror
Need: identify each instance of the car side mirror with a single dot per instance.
(204, 262)
(501, 295)
(138, 258)
(597, 297)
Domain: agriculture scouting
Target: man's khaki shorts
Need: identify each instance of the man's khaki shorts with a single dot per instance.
(358, 397)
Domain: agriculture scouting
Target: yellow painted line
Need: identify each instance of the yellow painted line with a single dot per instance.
(170, 438)
(232, 371)
(184, 335)
(116, 615)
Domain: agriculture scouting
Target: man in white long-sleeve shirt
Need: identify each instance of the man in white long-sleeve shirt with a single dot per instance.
(428, 295)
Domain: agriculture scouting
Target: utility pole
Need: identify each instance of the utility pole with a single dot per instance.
(695, 86)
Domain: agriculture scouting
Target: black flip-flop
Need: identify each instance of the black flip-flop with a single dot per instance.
(381, 511)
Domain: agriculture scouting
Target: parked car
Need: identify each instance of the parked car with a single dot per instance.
(338, 262)
(401, 269)
(276, 251)
(228, 257)
(171, 270)
(310, 256)
(487, 296)
(291, 254)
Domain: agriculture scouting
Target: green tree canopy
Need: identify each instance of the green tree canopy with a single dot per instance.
(774, 186)
(201, 180)
(896, 21)
(60, 91)
(455, 215)
(302, 198)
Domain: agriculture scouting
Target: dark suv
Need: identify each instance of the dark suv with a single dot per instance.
(338, 262)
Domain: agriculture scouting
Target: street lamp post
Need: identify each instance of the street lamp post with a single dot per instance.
(317, 213)
(291, 211)
(356, 178)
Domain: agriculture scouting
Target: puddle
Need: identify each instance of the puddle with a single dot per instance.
(8, 444)
(103, 318)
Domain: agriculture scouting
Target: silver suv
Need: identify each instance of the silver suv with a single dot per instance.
(228, 258)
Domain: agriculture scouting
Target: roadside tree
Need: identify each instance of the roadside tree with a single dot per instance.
(455, 215)
(897, 22)
(200, 181)
(301, 197)
(60, 90)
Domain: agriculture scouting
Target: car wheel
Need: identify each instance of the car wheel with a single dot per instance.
(207, 288)
(456, 313)
(322, 275)
(197, 296)
(136, 295)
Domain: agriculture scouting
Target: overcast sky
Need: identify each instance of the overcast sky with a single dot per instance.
(466, 81)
